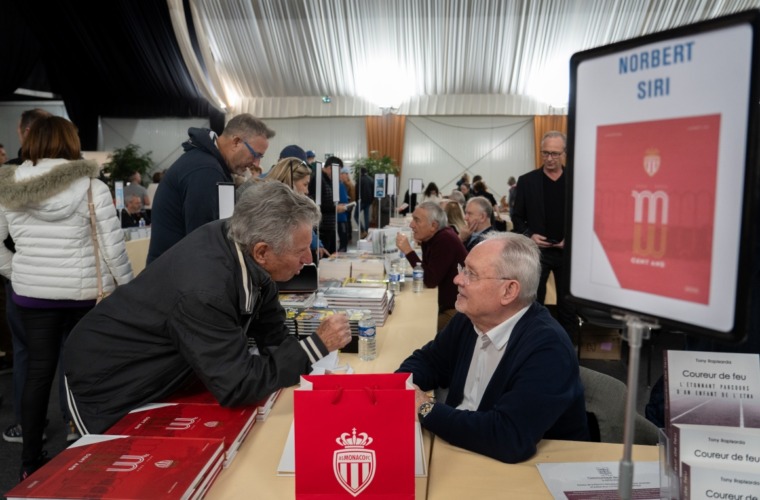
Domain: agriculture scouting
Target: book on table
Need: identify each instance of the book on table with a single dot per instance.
(712, 415)
(134, 467)
(231, 425)
(197, 393)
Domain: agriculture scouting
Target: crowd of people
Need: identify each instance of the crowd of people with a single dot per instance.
(210, 286)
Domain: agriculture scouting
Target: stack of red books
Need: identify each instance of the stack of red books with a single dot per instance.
(135, 467)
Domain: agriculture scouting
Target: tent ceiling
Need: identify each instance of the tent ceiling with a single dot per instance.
(280, 57)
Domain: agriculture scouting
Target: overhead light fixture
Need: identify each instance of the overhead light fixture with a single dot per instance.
(326, 99)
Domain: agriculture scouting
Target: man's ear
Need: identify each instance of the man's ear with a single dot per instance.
(510, 292)
(259, 253)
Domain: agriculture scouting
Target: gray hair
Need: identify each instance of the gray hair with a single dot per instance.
(484, 204)
(552, 134)
(458, 196)
(246, 125)
(435, 213)
(520, 260)
(269, 212)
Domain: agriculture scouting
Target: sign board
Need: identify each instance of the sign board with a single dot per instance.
(662, 164)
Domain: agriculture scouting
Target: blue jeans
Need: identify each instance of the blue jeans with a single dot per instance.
(364, 225)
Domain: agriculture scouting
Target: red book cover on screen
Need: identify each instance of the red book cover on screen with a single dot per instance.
(190, 420)
(654, 204)
(121, 467)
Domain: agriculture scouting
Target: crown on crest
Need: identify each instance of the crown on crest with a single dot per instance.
(354, 441)
(652, 152)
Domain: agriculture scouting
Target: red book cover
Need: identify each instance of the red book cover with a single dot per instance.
(190, 420)
(121, 467)
(654, 204)
(197, 393)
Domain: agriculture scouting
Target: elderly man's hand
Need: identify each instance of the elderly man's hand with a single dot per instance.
(402, 243)
(334, 332)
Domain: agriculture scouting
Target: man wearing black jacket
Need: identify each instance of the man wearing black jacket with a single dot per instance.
(188, 196)
(366, 197)
(539, 213)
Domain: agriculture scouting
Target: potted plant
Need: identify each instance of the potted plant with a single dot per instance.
(126, 161)
(375, 164)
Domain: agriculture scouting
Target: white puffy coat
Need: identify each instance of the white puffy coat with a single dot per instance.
(44, 209)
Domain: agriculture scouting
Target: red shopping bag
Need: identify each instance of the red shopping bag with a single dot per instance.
(354, 436)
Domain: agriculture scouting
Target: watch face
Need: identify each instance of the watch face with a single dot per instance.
(425, 408)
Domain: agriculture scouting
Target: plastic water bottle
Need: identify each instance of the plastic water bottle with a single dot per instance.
(367, 339)
(418, 276)
(394, 279)
(320, 302)
(141, 224)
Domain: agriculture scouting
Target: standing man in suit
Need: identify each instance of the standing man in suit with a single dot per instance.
(477, 214)
(187, 197)
(539, 213)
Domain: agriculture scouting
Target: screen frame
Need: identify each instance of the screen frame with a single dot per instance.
(748, 240)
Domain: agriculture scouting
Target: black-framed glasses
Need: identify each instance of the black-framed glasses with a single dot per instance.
(256, 155)
(553, 154)
(470, 277)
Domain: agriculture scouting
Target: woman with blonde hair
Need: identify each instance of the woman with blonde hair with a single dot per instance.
(455, 215)
(296, 173)
(293, 172)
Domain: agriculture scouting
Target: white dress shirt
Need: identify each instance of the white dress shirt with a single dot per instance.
(489, 349)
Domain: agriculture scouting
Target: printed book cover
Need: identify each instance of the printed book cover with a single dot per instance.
(715, 445)
(120, 467)
(232, 425)
(702, 481)
(712, 388)
(654, 204)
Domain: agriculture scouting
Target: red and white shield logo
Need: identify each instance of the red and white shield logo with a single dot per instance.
(652, 162)
(354, 469)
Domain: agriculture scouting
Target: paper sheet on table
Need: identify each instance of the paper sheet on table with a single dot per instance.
(570, 480)
(329, 364)
(287, 465)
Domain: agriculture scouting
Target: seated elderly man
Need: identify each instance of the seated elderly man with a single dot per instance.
(441, 253)
(477, 214)
(511, 372)
(191, 312)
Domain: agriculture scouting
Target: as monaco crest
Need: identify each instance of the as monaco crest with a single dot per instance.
(652, 161)
(354, 466)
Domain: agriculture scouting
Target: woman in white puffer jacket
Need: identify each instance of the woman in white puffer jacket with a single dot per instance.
(44, 208)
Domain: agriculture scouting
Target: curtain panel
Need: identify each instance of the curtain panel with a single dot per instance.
(385, 134)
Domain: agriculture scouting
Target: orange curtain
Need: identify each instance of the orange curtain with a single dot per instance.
(543, 124)
(385, 135)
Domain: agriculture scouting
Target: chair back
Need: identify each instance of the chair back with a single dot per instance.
(606, 400)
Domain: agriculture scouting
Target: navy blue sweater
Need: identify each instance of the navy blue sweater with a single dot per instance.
(535, 392)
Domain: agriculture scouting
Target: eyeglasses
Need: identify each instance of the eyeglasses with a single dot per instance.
(469, 276)
(256, 155)
(553, 154)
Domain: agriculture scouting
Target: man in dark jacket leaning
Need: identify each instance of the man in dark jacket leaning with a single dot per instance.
(191, 314)
(187, 196)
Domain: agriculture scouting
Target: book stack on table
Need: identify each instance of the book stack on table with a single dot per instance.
(712, 418)
(120, 467)
(377, 300)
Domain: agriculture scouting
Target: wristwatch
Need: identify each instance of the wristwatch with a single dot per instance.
(425, 408)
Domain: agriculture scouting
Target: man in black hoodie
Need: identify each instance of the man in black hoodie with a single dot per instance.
(187, 196)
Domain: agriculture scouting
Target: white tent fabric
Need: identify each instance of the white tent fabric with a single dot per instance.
(278, 58)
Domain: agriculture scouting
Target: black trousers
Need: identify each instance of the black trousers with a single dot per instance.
(46, 331)
(552, 260)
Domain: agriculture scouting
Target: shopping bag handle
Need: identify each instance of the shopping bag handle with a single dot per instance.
(370, 391)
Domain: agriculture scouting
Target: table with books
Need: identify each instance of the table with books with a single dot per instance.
(253, 474)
